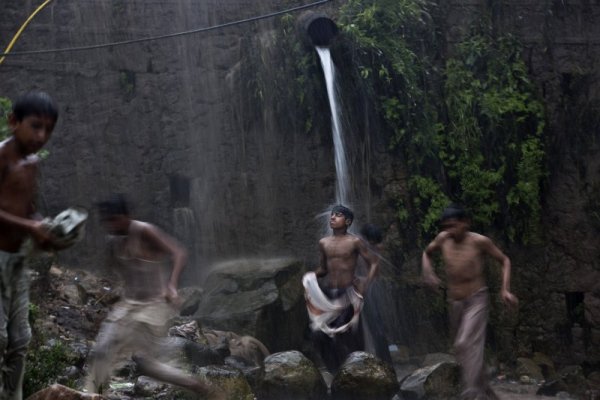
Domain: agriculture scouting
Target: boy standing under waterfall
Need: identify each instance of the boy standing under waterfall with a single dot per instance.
(137, 324)
(31, 123)
(334, 294)
(463, 255)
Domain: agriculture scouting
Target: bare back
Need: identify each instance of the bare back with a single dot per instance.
(464, 261)
(339, 254)
(18, 176)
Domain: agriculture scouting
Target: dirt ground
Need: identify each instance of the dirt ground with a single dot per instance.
(517, 391)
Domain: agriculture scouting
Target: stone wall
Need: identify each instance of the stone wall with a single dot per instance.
(174, 125)
(559, 282)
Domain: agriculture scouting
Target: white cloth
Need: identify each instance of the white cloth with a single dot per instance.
(323, 310)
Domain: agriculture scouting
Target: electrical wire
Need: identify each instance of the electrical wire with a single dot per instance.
(167, 36)
(21, 29)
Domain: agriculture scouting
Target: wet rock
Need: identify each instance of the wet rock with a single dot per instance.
(529, 368)
(191, 300)
(225, 379)
(245, 347)
(436, 358)
(60, 392)
(400, 354)
(573, 378)
(439, 381)
(148, 387)
(74, 294)
(199, 354)
(253, 374)
(260, 298)
(363, 376)
(551, 388)
(594, 380)
(545, 364)
(290, 375)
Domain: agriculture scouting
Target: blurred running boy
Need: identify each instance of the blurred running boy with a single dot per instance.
(463, 255)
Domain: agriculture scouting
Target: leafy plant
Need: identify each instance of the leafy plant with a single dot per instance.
(46, 360)
(469, 127)
(5, 107)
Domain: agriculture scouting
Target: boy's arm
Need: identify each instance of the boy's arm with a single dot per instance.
(36, 229)
(169, 245)
(429, 276)
(321, 270)
(491, 249)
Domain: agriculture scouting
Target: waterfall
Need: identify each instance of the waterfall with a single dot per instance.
(341, 165)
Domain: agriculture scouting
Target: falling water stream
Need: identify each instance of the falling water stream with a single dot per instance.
(341, 165)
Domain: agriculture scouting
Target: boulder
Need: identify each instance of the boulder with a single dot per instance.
(546, 365)
(290, 375)
(227, 380)
(363, 376)
(245, 347)
(528, 367)
(60, 392)
(148, 387)
(439, 381)
(259, 298)
(574, 379)
(436, 358)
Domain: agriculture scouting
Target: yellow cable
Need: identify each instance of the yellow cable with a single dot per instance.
(22, 28)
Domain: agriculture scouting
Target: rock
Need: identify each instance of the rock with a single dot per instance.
(290, 375)
(363, 376)
(148, 387)
(545, 364)
(439, 381)
(191, 300)
(594, 380)
(573, 378)
(253, 374)
(197, 354)
(551, 388)
(74, 294)
(400, 354)
(60, 392)
(228, 380)
(527, 367)
(260, 298)
(436, 358)
(245, 347)
(189, 330)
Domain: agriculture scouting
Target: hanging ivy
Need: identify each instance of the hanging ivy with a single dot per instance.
(470, 127)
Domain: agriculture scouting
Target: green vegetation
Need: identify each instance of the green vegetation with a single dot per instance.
(5, 107)
(46, 360)
(469, 127)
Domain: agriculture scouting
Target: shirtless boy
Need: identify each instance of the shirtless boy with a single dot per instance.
(463, 255)
(150, 263)
(31, 123)
(337, 280)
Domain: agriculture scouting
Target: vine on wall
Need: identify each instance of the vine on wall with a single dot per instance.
(469, 127)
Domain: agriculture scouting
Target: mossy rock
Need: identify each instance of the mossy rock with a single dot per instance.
(363, 376)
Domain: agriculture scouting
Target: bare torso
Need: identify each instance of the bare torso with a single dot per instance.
(142, 267)
(464, 265)
(340, 257)
(17, 193)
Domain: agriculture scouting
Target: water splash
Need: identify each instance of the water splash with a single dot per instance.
(342, 189)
